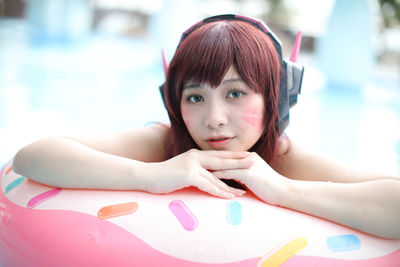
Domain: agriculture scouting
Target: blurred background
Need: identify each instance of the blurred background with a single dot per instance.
(73, 67)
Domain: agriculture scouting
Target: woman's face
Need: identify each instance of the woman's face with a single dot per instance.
(228, 117)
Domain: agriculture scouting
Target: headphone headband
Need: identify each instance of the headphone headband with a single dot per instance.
(256, 23)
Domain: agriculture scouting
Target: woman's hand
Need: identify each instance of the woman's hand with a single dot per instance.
(195, 168)
(260, 178)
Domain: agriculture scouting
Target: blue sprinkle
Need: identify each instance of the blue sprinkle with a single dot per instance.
(339, 243)
(234, 212)
(14, 184)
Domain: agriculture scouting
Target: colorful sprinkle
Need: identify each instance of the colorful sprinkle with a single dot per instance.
(279, 255)
(339, 243)
(14, 184)
(184, 215)
(43, 197)
(9, 170)
(117, 210)
(234, 212)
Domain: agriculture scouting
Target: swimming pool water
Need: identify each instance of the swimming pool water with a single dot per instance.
(106, 83)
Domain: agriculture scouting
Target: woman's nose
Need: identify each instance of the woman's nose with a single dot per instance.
(216, 115)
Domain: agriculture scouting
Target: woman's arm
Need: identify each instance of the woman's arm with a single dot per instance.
(324, 188)
(125, 161)
(104, 162)
(333, 190)
(372, 206)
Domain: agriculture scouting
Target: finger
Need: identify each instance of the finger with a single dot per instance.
(217, 182)
(237, 175)
(216, 163)
(226, 154)
(206, 186)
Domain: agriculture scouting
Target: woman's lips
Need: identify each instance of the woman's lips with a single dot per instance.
(219, 141)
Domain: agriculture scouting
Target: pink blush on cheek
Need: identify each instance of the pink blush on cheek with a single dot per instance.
(254, 121)
(252, 117)
(184, 117)
(187, 123)
(252, 111)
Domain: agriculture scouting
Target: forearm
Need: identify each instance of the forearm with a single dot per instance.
(372, 206)
(63, 162)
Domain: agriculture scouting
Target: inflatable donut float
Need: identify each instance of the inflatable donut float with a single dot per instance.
(45, 226)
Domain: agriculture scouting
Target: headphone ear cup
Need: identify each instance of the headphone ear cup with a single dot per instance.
(290, 88)
(296, 72)
(283, 102)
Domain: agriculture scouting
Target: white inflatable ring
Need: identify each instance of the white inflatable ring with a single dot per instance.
(45, 226)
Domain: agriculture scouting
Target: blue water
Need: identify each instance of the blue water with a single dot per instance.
(107, 83)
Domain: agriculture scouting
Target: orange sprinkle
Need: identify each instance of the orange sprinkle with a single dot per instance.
(117, 210)
(9, 170)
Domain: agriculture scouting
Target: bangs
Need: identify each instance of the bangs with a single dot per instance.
(206, 55)
(208, 52)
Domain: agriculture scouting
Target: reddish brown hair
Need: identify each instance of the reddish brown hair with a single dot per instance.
(205, 56)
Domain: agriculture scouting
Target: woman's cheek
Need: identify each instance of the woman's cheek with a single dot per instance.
(252, 120)
(186, 115)
(253, 117)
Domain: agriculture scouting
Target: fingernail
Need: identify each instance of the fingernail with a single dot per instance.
(250, 162)
(229, 195)
(240, 193)
(244, 153)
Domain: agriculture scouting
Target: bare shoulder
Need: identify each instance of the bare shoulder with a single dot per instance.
(301, 163)
(298, 162)
(144, 144)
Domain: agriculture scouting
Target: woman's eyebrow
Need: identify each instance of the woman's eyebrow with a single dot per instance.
(192, 86)
(199, 86)
(233, 80)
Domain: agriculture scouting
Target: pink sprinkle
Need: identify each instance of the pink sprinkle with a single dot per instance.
(184, 215)
(43, 197)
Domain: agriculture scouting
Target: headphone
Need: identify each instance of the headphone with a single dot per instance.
(291, 73)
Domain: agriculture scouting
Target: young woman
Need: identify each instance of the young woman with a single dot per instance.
(222, 94)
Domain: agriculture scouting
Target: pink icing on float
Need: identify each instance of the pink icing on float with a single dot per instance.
(64, 227)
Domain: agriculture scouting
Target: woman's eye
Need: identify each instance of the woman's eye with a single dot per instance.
(195, 98)
(235, 94)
